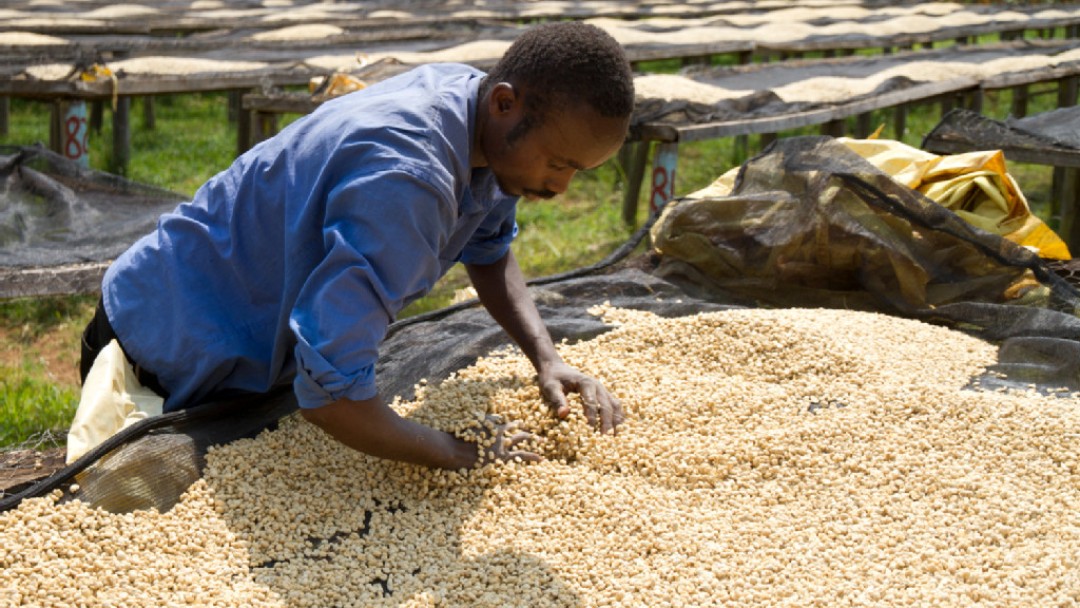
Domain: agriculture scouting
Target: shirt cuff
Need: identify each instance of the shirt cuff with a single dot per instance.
(324, 385)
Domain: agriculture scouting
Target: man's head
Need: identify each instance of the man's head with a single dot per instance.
(558, 101)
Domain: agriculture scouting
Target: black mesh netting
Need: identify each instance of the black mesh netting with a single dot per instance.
(54, 212)
(1055, 130)
(809, 224)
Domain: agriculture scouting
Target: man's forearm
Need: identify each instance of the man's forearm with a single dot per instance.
(502, 290)
(372, 427)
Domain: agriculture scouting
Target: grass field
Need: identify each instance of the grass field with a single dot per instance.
(193, 139)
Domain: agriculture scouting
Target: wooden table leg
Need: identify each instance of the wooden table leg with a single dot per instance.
(1070, 209)
(635, 173)
(122, 135)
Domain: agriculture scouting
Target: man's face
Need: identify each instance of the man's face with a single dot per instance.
(539, 162)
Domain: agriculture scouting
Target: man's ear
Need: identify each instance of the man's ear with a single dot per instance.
(504, 99)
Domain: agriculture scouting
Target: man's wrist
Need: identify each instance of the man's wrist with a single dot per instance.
(458, 454)
(547, 361)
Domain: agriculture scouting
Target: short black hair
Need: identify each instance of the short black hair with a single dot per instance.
(560, 63)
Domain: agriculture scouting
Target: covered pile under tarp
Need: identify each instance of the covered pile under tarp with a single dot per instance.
(55, 213)
(1055, 131)
(809, 224)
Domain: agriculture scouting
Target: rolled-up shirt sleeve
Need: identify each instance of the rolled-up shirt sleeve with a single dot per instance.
(492, 239)
(381, 233)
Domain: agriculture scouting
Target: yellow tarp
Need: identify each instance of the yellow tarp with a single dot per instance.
(975, 186)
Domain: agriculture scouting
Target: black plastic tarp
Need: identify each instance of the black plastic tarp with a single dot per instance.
(809, 224)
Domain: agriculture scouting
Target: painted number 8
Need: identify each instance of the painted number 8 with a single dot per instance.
(76, 135)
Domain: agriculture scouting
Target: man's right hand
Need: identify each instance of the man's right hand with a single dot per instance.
(502, 441)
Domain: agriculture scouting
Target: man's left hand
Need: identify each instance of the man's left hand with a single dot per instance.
(602, 409)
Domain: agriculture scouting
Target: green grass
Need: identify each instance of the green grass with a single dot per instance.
(36, 413)
(29, 317)
(193, 140)
(35, 408)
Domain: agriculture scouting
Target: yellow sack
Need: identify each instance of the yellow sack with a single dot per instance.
(97, 72)
(335, 85)
(112, 399)
(975, 185)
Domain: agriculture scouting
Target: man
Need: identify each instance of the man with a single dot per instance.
(289, 266)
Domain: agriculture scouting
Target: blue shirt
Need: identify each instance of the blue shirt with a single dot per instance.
(289, 265)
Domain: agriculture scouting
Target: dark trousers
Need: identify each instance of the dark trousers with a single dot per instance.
(96, 336)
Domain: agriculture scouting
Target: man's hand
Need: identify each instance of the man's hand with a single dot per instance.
(501, 441)
(602, 409)
(502, 290)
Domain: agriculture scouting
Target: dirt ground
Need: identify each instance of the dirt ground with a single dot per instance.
(57, 351)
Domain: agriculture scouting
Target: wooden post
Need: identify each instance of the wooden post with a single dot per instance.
(833, 128)
(69, 131)
(1063, 184)
(863, 126)
(1020, 101)
(975, 100)
(638, 155)
(948, 102)
(56, 118)
(243, 129)
(263, 126)
(1067, 91)
(900, 121)
(5, 116)
(235, 102)
(742, 149)
(258, 127)
(1070, 209)
(663, 176)
(97, 115)
(1057, 193)
(122, 135)
(149, 121)
(622, 162)
(74, 132)
(271, 121)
